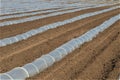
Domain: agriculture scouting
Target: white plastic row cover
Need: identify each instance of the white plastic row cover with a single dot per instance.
(21, 9)
(49, 59)
(33, 13)
(8, 11)
(40, 12)
(119, 77)
(17, 38)
(41, 17)
(42, 7)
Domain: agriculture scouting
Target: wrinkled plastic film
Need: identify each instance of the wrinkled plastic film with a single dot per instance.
(47, 60)
(5, 76)
(18, 73)
(56, 55)
(51, 26)
(33, 13)
(38, 17)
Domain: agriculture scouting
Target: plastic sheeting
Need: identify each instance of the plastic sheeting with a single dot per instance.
(47, 60)
(33, 13)
(42, 16)
(119, 77)
(5, 77)
(21, 6)
(33, 32)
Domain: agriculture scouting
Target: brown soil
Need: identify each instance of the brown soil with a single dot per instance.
(115, 72)
(98, 59)
(47, 41)
(102, 64)
(12, 30)
(17, 18)
(95, 64)
(29, 12)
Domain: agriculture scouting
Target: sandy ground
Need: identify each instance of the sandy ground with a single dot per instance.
(29, 12)
(81, 65)
(15, 29)
(17, 18)
(44, 43)
(98, 59)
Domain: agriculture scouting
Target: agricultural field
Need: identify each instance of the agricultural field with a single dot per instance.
(59, 40)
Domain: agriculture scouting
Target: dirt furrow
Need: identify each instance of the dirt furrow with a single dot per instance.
(15, 29)
(29, 12)
(28, 50)
(17, 18)
(68, 68)
(51, 33)
(11, 54)
(102, 64)
(115, 72)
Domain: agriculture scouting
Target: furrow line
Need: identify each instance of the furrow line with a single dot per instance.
(29, 70)
(16, 29)
(30, 33)
(41, 17)
(77, 61)
(44, 43)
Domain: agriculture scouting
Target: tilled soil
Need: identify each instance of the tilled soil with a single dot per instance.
(103, 64)
(17, 18)
(88, 62)
(12, 30)
(115, 72)
(28, 12)
(98, 59)
(32, 48)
